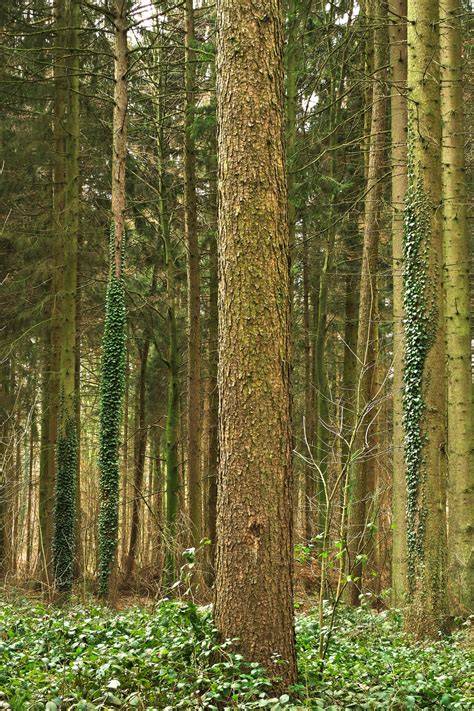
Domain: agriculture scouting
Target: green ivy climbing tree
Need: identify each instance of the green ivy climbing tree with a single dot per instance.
(112, 388)
(114, 340)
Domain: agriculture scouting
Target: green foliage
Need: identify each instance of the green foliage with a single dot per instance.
(420, 331)
(111, 397)
(65, 502)
(170, 658)
(371, 665)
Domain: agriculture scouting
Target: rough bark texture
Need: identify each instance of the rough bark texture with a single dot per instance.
(424, 364)
(253, 584)
(398, 67)
(458, 341)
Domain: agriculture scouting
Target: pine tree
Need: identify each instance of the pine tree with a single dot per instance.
(253, 588)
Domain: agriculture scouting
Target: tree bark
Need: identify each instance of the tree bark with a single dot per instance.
(253, 589)
(424, 405)
(114, 340)
(364, 468)
(67, 435)
(458, 339)
(194, 297)
(141, 432)
(398, 67)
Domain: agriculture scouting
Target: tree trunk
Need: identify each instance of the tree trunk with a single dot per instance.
(253, 589)
(458, 340)
(67, 436)
(50, 399)
(114, 340)
(213, 392)
(364, 468)
(424, 406)
(194, 306)
(398, 66)
(308, 433)
(141, 432)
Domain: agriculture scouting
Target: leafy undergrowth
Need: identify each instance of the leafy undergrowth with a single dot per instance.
(168, 658)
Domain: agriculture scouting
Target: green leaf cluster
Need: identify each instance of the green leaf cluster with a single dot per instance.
(65, 502)
(112, 387)
(420, 331)
(169, 657)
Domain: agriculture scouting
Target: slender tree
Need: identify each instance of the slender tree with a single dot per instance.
(194, 299)
(113, 344)
(51, 397)
(364, 467)
(424, 403)
(458, 338)
(398, 107)
(253, 588)
(141, 436)
(67, 432)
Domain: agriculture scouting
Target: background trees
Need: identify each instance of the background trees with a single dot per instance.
(346, 167)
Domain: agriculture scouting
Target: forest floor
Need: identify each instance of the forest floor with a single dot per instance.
(167, 656)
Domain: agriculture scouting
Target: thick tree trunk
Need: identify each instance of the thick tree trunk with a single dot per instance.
(253, 589)
(398, 67)
(424, 405)
(458, 340)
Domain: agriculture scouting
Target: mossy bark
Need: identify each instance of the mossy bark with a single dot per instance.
(458, 340)
(424, 406)
(398, 68)
(253, 588)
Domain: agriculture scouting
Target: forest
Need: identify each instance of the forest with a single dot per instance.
(236, 355)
